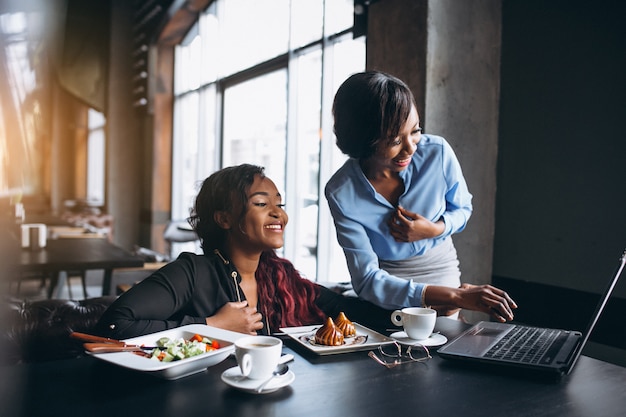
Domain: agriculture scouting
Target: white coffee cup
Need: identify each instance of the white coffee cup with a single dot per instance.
(418, 322)
(34, 236)
(257, 356)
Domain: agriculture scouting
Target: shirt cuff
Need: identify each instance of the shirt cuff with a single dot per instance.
(447, 226)
(423, 296)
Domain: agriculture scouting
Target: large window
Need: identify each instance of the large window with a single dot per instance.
(22, 127)
(254, 82)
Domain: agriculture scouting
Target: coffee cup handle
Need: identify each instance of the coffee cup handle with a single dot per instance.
(246, 364)
(396, 318)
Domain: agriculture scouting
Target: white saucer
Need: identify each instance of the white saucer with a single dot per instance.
(435, 339)
(232, 377)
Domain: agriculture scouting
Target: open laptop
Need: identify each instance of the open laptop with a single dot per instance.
(530, 348)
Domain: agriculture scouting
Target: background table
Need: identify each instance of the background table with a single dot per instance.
(78, 254)
(343, 385)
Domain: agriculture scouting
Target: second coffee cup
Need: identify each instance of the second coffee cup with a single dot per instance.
(258, 356)
(418, 322)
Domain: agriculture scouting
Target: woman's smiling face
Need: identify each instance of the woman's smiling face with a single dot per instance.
(264, 223)
(395, 154)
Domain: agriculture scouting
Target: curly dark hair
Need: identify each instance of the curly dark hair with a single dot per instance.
(369, 109)
(224, 190)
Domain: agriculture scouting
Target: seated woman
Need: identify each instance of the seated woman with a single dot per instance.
(239, 283)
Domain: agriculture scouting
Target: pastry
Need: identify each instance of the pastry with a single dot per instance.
(345, 325)
(329, 334)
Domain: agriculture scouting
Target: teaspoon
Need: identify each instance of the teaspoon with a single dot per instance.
(281, 369)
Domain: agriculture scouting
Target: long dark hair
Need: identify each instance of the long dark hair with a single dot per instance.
(287, 299)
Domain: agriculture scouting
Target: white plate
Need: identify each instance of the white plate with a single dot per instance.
(233, 377)
(181, 368)
(365, 339)
(435, 339)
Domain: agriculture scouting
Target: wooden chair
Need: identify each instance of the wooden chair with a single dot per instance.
(72, 233)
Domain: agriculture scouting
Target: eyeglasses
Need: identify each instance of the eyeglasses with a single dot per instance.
(394, 354)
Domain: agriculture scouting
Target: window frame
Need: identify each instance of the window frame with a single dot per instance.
(327, 252)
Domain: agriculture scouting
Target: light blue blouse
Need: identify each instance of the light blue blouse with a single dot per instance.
(434, 188)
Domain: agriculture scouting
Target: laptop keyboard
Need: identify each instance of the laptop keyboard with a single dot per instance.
(528, 345)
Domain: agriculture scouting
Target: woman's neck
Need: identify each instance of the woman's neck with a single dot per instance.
(386, 182)
(245, 262)
(373, 173)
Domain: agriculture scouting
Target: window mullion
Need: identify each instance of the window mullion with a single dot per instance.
(291, 165)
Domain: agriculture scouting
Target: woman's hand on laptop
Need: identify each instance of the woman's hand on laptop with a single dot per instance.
(483, 298)
(487, 299)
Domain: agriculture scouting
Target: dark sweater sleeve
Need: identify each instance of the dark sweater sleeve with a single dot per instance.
(157, 303)
(356, 310)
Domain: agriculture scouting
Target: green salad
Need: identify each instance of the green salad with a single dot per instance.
(169, 350)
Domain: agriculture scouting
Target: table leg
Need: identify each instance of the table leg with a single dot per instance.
(54, 280)
(57, 280)
(106, 282)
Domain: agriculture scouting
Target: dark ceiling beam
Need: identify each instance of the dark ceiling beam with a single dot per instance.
(181, 15)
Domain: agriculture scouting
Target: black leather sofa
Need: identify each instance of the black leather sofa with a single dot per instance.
(32, 331)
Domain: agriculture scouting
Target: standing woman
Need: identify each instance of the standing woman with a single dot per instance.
(397, 201)
(239, 283)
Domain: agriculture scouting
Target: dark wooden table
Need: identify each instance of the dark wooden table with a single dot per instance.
(78, 254)
(345, 385)
(46, 218)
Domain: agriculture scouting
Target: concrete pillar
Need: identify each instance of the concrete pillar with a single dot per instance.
(124, 141)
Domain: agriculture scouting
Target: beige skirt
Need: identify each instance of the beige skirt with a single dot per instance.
(438, 266)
